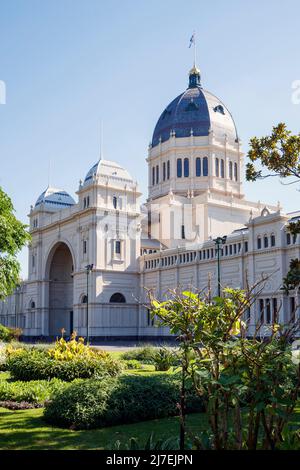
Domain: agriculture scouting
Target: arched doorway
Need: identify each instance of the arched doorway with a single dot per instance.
(60, 269)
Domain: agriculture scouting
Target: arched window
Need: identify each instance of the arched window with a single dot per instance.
(205, 166)
(258, 243)
(217, 167)
(32, 304)
(115, 202)
(222, 169)
(153, 176)
(186, 167)
(168, 169)
(117, 298)
(118, 247)
(198, 166)
(235, 172)
(164, 171)
(157, 174)
(179, 168)
(84, 299)
(266, 241)
(230, 170)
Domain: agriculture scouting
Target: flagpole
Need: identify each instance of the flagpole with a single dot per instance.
(194, 49)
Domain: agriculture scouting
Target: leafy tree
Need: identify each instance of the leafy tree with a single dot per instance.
(279, 155)
(250, 387)
(13, 236)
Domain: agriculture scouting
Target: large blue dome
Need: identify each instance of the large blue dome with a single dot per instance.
(195, 111)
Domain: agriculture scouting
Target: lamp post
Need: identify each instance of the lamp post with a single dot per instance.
(88, 269)
(219, 241)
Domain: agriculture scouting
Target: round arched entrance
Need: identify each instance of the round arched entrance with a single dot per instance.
(60, 276)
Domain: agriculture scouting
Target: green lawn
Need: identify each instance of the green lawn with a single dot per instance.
(26, 430)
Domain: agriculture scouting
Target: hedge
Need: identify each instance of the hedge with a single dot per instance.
(126, 399)
(31, 364)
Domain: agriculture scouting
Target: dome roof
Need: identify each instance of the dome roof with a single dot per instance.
(54, 199)
(109, 169)
(195, 111)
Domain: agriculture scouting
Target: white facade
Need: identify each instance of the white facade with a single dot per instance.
(195, 168)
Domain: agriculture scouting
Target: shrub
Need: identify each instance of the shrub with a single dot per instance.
(2, 357)
(163, 359)
(143, 354)
(36, 392)
(38, 365)
(79, 406)
(8, 334)
(127, 399)
(147, 354)
(133, 364)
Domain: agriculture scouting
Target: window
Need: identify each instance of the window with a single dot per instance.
(150, 321)
(168, 169)
(288, 238)
(118, 298)
(118, 247)
(84, 247)
(235, 172)
(275, 311)
(198, 166)
(268, 310)
(84, 299)
(157, 174)
(272, 239)
(266, 241)
(115, 202)
(205, 166)
(247, 315)
(186, 167)
(32, 304)
(153, 176)
(182, 232)
(258, 243)
(217, 167)
(222, 169)
(179, 168)
(230, 170)
(88, 201)
(164, 171)
(246, 247)
(261, 310)
(230, 249)
(292, 309)
(33, 261)
(294, 238)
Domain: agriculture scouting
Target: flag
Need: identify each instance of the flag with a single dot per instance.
(192, 40)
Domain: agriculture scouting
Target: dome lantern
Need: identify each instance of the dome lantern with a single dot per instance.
(194, 77)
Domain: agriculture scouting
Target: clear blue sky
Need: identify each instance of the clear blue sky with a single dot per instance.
(69, 63)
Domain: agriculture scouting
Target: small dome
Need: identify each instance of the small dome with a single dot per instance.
(195, 111)
(107, 168)
(54, 199)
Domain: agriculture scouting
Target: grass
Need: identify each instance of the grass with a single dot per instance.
(26, 430)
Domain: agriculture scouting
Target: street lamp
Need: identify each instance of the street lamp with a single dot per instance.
(219, 241)
(88, 269)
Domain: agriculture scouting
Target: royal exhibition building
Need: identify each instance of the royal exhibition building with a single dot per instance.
(94, 260)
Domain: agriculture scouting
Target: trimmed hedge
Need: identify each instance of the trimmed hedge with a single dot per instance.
(34, 392)
(127, 399)
(32, 364)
